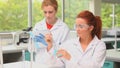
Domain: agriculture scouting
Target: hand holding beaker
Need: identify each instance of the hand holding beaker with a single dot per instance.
(63, 54)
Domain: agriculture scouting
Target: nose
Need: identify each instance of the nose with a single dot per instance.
(77, 28)
(47, 14)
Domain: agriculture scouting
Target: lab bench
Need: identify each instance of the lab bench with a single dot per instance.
(13, 51)
(28, 64)
(110, 41)
(112, 56)
(112, 59)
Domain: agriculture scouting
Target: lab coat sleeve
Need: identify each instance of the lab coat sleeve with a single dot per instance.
(42, 56)
(49, 58)
(45, 57)
(72, 63)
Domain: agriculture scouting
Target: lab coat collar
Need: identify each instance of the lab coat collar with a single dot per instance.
(77, 41)
(43, 25)
(93, 43)
(78, 45)
(56, 25)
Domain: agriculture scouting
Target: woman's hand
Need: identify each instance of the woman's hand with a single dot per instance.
(49, 41)
(63, 54)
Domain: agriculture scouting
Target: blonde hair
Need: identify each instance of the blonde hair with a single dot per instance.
(52, 3)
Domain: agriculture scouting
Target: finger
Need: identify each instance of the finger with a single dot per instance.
(47, 37)
(60, 52)
(50, 34)
(59, 55)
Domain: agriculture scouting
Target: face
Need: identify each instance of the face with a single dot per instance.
(82, 28)
(49, 12)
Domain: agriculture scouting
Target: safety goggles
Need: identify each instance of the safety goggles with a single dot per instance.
(82, 26)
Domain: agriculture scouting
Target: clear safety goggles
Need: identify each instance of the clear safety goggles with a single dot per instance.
(82, 26)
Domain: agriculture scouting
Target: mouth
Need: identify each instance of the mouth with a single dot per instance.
(48, 17)
(78, 32)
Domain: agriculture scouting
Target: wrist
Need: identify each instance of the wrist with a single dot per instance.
(49, 47)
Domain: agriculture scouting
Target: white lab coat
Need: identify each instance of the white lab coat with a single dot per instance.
(93, 57)
(60, 33)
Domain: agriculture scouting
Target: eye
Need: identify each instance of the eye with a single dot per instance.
(45, 12)
(81, 26)
(50, 12)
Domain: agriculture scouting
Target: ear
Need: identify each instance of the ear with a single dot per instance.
(91, 28)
